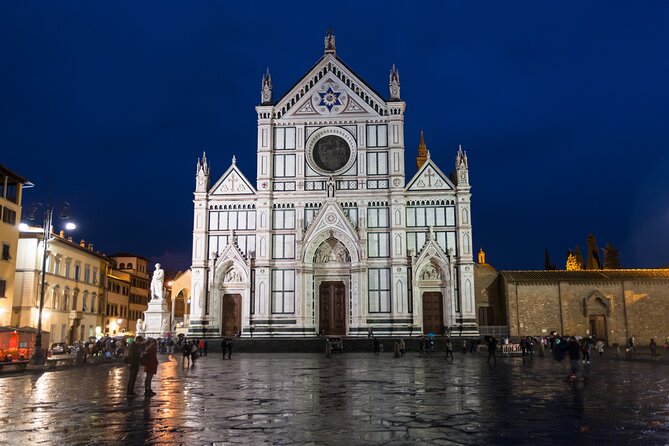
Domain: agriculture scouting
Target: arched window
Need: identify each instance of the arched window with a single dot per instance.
(121, 266)
(66, 300)
(84, 303)
(129, 265)
(93, 302)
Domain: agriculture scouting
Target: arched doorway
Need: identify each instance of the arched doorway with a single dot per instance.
(332, 266)
(433, 294)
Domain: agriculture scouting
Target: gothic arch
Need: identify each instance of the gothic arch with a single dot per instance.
(597, 303)
(329, 233)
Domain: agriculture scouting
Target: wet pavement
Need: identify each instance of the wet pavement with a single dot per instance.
(350, 399)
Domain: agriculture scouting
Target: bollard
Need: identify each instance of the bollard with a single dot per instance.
(397, 349)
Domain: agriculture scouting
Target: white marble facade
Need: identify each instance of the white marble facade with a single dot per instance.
(331, 238)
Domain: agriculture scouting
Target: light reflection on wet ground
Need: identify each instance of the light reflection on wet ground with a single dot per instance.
(347, 399)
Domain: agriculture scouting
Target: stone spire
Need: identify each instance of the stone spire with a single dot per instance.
(330, 42)
(266, 90)
(422, 151)
(394, 84)
(462, 168)
(202, 174)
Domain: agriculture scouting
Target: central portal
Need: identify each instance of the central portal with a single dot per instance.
(232, 314)
(433, 311)
(332, 304)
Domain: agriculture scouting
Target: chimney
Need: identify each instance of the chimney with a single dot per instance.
(69, 239)
(62, 234)
(90, 246)
(82, 243)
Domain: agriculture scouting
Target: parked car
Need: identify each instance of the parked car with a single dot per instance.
(60, 348)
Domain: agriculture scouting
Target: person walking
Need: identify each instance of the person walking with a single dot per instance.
(574, 355)
(228, 347)
(492, 349)
(150, 366)
(194, 352)
(449, 348)
(653, 347)
(186, 350)
(599, 346)
(205, 348)
(134, 359)
(586, 346)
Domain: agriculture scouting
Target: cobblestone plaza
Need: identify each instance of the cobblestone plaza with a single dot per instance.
(351, 399)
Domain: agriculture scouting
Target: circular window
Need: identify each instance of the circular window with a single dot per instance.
(331, 153)
(331, 150)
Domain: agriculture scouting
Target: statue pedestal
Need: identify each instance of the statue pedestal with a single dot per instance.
(156, 319)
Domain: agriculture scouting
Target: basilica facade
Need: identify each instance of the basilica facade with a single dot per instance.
(331, 238)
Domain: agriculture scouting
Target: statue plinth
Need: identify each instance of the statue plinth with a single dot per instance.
(157, 319)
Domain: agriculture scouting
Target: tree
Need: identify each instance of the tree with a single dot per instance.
(579, 257)
(573, 263)
(593, 253)
(548, 266)
(611, 257)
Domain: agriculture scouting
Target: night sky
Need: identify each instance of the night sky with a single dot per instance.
(563, 108)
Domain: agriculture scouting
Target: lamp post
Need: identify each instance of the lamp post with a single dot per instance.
(38, 354)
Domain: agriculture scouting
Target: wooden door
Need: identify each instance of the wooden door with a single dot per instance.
(598, 327)
(433, 311)
(232, 314)
(332, 308)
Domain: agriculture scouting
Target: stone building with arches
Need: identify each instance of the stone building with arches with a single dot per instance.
(332, 238)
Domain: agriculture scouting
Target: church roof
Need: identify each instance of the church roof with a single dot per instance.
(602, 275)
(232, 182)
(423, 180)
(306, 75)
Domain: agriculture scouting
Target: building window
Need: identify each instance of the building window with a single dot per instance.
(377, 135)
(84, 303)
(67, 269)
(66, 300)
(77, 271)
(3, 287)
(56, 266)
(378, 217)
(377, 163)
(283, 246)
(378, 244)
(283, 291)
(8, 216)
(95, 276)
(87, 274)
(12, 191)
(5, 252)
(283, 219)
(430, 216)
(352, 214)
(284, 138)
(232, 220)
(284, 166)
(310, 212)
(379, 290)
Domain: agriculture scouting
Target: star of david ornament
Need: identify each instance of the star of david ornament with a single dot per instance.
(330, 98)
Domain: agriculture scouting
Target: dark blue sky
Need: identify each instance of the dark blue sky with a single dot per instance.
(563, 108)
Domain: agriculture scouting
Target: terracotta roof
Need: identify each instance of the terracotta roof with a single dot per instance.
(601, 275)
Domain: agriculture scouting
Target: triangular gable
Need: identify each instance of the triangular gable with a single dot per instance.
(429, 177)
(232, 182)
(330, 216)
(229, 258)
(429, 252)
(302, 100)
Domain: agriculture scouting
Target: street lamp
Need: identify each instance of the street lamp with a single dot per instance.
(38, 354)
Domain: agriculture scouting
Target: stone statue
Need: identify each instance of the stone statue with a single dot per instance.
(331, 188)
(139, 327)
(157, 283)
(163, 327)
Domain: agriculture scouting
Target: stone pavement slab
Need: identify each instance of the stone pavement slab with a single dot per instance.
(349, 399)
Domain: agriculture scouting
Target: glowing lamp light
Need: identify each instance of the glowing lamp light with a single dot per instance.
(23, 227)
(120, 321)
(70, 226)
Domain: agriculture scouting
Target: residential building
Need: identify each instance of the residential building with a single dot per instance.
(137, 269)
(74, 286)
(11, 193)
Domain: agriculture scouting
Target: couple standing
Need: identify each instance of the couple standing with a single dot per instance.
(148, 357)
